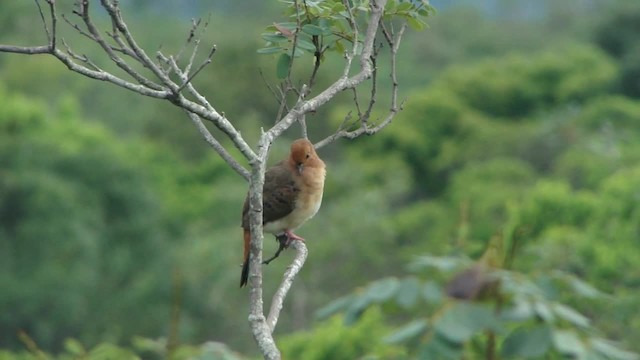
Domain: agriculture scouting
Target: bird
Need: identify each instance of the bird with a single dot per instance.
(476, 282)
(292, 194)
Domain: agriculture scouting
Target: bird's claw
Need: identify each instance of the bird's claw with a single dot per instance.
(284, 240)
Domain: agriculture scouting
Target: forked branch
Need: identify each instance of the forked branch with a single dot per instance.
(169, 80)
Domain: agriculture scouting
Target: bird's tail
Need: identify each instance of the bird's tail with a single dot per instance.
(244, 277)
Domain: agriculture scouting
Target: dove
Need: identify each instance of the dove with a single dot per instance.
(292, 194)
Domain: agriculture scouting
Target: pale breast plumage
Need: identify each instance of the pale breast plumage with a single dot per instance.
(306, 206)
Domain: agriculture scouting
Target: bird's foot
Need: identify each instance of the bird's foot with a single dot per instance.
(284, 240)
(292, 236)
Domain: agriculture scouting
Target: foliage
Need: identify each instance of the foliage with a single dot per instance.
(617, 34)
(318, 27)
(142, 349)
(524, 316)
(332, 339)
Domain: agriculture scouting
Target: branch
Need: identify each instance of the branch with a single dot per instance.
(259, 327)
(306, 106)
(168, 91)
(215, 144)
(287, 280)
(28, 50)
(158, 81)
(394, 43)
(95, 36)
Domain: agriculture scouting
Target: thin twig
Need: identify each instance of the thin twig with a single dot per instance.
(344, 82)
(27, 50)
(44, 23)
(95, 33)
(219, 148)
(114, 12)
(84, 58)
(195, 73)
(77, 27)
(282, 101)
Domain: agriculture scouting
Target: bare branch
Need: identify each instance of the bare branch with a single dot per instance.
(215, 144)
(50, 37)
(364, 129)
(287, 280)
(77, 27)
(206, 111)
(114, 12)
(259, 327)
(95, 35)
(82, 58)
(195, 73)
(28, 50)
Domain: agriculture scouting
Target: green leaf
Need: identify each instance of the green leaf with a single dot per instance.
(269, 50)
(460, 322)
(543, 311)
(356, 308)
(416, 24)
(383, 290)
(527, 342)
(568, 343)
(334, 307)
(292, 26)
(313, 30)
(282, 67)
(340, 47)
(408, 332)
(520, 311)
(593, 355)
(404, 7)
(338, 7)
(106, 351)
(611, 351)
(439, 348)
(390, 6)
(408, 292)
(297, 52)
(432, 292)
(274, 38)
(74, 347)
(580, 287)
(441, 263)
(305, 45)
(424, 12)
(571, 315)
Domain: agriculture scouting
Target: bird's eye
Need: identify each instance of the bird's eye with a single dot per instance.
(308, 155)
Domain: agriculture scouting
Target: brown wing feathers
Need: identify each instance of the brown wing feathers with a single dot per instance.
(278, 201)
(283, 185)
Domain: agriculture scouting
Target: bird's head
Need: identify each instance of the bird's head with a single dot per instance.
(304, 155)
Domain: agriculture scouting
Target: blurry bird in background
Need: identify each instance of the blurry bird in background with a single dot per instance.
(476, 282)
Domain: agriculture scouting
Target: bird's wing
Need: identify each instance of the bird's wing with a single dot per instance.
(279, 195)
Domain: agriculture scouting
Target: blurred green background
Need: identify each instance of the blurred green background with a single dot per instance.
(118, 225)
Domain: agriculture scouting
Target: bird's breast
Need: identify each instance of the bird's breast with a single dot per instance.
(306, 205)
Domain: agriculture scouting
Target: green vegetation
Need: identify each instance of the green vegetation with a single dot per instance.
(114, 214)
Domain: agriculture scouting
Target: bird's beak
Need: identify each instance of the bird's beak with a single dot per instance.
(300, 168)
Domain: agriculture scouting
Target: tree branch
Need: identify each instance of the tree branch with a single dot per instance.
(290, 274)
(306, 106)
(215, 144)
(259, 327)
(157, 81)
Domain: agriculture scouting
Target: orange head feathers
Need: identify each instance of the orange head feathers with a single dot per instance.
(304, 155)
